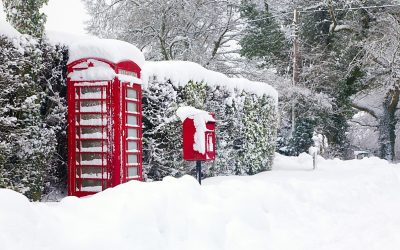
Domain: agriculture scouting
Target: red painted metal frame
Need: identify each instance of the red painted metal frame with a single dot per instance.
(116, 129)
(138, 138)
(131, 67)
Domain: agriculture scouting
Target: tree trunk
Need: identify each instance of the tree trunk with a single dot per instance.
(387, 125)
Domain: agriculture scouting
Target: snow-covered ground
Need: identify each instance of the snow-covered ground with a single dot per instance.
(345, 205)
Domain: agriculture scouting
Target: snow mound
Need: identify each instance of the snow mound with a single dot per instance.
(342, 205)
(109, 49)
(182, 72)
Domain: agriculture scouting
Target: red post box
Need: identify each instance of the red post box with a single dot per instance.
(104, 124)
(198, 130)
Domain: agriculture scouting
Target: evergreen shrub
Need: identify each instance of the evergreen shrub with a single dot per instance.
(245, 129)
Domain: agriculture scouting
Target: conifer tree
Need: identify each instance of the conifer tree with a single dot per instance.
(32, 117)
(25, 16)
(302, 136)
(224, 114)
(162, 140)
(263, 37)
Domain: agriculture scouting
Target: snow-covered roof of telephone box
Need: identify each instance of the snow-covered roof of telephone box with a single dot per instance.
(109, 49)
(182, 72)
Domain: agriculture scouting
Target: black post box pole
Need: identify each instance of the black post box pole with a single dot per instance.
(198, 168)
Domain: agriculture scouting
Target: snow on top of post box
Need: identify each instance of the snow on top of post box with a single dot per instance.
(200, 119)
(190, 112)
(109, 49)
(182, 72)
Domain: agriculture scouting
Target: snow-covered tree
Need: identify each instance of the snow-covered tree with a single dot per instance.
(331, 39)
(25, 16)
(381, 63)
(264, 38)
(32, 115)
(201, 31)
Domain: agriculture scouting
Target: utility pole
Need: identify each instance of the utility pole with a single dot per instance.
(296, 64)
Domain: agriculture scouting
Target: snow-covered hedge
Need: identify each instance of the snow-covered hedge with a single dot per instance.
(245, 111)
(32, 114)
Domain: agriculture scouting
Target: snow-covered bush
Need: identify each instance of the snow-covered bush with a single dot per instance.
(26, 16)
(245, 111)
(32, 114)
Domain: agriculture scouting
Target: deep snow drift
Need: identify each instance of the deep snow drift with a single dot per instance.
(341, 205)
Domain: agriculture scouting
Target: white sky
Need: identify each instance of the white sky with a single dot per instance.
(66, 16)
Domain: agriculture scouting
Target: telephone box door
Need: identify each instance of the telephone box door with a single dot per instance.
(91, 123)
(132, 132)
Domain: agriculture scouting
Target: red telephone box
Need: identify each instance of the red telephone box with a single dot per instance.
(104, 124)
(199, 139)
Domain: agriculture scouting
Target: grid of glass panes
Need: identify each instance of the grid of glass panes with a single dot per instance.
(91, 137)
(133, 133)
